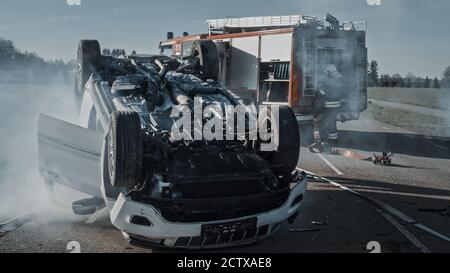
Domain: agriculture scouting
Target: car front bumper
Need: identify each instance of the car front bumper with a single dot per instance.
(160, 232)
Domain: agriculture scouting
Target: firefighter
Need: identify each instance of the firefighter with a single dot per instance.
(328, 103)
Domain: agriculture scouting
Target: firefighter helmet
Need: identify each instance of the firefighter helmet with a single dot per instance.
(331, 71)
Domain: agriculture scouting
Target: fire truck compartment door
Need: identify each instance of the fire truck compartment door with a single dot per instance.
(244, 63)
(276, 47)
(70, 155)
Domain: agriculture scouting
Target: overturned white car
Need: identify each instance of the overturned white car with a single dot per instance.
(166, 184)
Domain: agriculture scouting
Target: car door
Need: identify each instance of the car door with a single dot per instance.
(70, 155)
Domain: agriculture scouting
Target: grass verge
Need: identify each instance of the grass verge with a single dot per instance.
(428, 97)
(420, 123)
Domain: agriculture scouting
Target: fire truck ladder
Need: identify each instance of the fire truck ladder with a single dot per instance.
(266, 22)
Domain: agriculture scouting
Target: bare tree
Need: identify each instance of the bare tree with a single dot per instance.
(427, 83)
(436, 83)
(373, 73)
(17, 63)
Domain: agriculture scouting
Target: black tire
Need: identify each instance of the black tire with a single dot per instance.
(206, 51)
(125, 150)
(88, 62)
(284, 161)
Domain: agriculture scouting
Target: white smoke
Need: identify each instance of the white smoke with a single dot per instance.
(21, 186)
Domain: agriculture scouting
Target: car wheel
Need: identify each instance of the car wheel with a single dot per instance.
(88, 62)
(124, 149)
(284, 161)
(206, 52)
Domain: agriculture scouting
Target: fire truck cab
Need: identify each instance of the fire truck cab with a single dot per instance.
(280, 60)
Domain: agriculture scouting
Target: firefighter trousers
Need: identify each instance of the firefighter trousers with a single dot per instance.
(328, 122)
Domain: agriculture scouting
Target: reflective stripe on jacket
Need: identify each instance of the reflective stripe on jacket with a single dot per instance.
(332, 104)
(333, 136)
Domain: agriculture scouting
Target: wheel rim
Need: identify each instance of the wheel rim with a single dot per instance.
(111, 157)
(79, 73)
(79, 79)
(195, 53)
(267, 124)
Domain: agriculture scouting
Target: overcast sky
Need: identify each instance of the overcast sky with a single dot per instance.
(403, 36)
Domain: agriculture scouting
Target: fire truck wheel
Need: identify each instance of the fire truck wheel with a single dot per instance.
(88, 62)
(124, 149)
(284, 161)
(206, 51)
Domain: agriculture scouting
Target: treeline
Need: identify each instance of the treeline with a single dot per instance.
(26, 67)
(374, 79)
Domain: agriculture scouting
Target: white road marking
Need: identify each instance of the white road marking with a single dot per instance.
(366, 121)
(440, 146)
(385, 128)
(432, 232)
(413, 239)
(336, 170)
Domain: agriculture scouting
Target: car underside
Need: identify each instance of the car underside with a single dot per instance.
(164, 183)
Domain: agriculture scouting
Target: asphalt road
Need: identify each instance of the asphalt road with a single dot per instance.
(417, 184)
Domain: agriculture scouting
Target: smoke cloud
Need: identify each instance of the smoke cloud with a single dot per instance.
(21, 186)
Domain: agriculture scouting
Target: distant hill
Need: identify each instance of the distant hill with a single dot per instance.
(25, 67)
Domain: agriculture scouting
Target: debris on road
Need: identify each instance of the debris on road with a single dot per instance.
(442, 211)
(319, 223)
(384, 159)
(432, 209)
(304, 229)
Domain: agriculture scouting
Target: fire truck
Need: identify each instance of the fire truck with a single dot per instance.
(280, 60)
